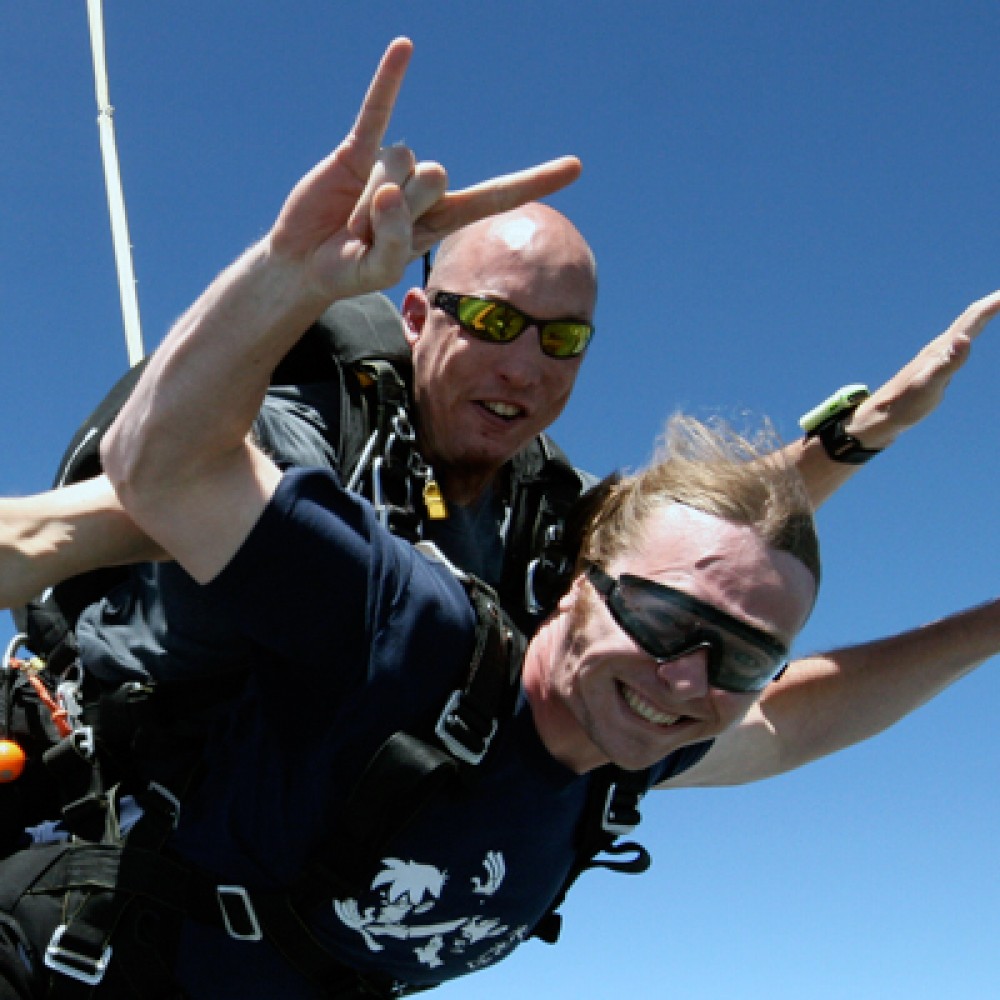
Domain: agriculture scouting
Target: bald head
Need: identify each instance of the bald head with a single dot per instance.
(532, 253)
(478, 403)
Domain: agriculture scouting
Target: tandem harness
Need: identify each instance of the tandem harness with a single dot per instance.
(357, 359)
(89, 905)
(91, 898)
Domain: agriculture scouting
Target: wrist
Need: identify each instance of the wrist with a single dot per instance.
(869, 424)
(833, 422)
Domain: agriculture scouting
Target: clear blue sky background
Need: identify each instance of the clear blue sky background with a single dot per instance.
(783, 197)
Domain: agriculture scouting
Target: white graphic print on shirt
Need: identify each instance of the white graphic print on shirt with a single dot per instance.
(407, 891)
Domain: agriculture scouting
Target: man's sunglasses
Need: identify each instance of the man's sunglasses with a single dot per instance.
(667, 623)
(500, 323)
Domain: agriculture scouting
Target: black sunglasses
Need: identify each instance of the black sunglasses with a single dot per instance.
(667, 623)
(500, 323)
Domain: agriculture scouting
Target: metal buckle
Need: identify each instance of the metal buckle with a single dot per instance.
(384, 507)
(68, 696)
(448, 720)
(83, 968)
(614, 824)
(531, 601)
(82, 738)
(173, 804)
(228, 894)
(552, 563)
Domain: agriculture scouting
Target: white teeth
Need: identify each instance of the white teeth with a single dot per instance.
(646, 711)
(503, 409)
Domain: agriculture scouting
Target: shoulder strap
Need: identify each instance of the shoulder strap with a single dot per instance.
(352, 330)
(410, 768)
(539, 554)
(612, 811)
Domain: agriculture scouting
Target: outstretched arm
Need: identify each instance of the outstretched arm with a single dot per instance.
(827, 702)
(912, 394)
(177, 455)
(47, 538)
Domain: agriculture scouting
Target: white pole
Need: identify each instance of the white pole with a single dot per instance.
(113, 183)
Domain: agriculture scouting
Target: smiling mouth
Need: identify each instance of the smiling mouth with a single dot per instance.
(505, 411)
(644, 710)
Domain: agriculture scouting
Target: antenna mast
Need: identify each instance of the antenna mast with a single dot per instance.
(113, 183)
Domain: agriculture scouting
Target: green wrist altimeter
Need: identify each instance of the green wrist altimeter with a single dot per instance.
(828, 421)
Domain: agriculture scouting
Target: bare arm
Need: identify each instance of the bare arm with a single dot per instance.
(912, 394)
(827, 702)
(48, 538)
(177, 454)
(349, 226)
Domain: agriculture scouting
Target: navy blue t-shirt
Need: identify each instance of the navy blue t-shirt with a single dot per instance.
(348, 635)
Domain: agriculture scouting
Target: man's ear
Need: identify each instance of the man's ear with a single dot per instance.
(416, 308)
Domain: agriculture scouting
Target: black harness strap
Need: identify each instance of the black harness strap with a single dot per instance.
(97, 900)
(539, 555)
(405, 773)
(612, 811)
(409, 770)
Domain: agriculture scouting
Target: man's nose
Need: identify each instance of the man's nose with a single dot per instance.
(521, 360)
(686, 675)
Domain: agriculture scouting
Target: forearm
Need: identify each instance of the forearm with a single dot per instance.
(870, 425)
(205, 384)
(177, 454)
(821, 475)
(48, 538)
(828, 702)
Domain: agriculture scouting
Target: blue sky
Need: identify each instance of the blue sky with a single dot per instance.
(783, 197)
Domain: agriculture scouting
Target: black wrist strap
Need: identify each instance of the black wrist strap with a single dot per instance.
(838, 444)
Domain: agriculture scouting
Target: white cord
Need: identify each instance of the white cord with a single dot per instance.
(113, 184)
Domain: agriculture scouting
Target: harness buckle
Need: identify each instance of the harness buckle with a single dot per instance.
(165, 801)
(458, 736)
(68, 695)
(238, 914)
(546, 573)
(531, 601)
(83, 742)
(83, 968)
(381, 487)
(620, 817)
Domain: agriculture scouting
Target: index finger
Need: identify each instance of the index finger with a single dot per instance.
(376, 109)
(499, 194)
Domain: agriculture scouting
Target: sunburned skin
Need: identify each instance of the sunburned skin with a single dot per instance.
(596, 696)
(479, 403)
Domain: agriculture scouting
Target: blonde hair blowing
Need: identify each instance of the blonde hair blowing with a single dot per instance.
(714, 469)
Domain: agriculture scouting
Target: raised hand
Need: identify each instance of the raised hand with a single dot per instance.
(916, 390)
(358, 217)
